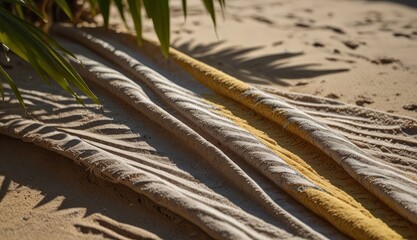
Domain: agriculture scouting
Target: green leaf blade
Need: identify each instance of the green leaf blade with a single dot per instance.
(104, 6)
(135, 11)
(42, 52)
(210, 9)
(184, 8)
(158, 11)
(120, 8)
(13, 87)
(63, 5)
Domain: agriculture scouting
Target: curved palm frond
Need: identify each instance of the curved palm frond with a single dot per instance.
(50, 60)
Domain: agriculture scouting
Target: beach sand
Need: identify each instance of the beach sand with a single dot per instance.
(356, 52)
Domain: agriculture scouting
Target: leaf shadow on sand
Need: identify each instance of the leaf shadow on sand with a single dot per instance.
(67, 189)
(43, 109)
(267, 69)
(410, 3)
(4, 186)
(48, 102)
(138, 131)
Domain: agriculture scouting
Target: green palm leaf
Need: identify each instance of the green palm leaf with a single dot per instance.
(64, 7)
(28, 4)
(50, 60)
(12, 86)
(210, 9)
(104, 6)
(184, 8)
(37, 48)
(158, 11)
(120, 8)
(135, 11)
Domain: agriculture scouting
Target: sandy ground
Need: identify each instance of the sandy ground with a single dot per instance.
(358, 52)
(44, 195)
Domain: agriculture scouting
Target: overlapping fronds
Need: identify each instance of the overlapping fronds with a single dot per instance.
(157, 11)
(49, 59)
(45, 55)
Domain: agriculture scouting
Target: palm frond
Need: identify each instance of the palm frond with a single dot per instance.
(63, 5)
(12, 86)
(210, 9)
(120, 7)
(28, 4)
(104, 6)
(158, 11)
(42, 52)
(184, 8)
(136, 13)
(50, 60)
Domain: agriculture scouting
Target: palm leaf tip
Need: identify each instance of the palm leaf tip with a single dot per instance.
(104, 6)
(50, 60)
(63, 5)
(135, 10)
(12, 86)
(158, 11)
(210, 9)
(46, 56)
(184, 8)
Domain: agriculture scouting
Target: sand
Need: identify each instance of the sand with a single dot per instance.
(44, 195)
(358, 52)
(171, 157)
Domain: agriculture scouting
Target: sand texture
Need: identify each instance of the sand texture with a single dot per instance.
(196, 153)
(358, 52)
